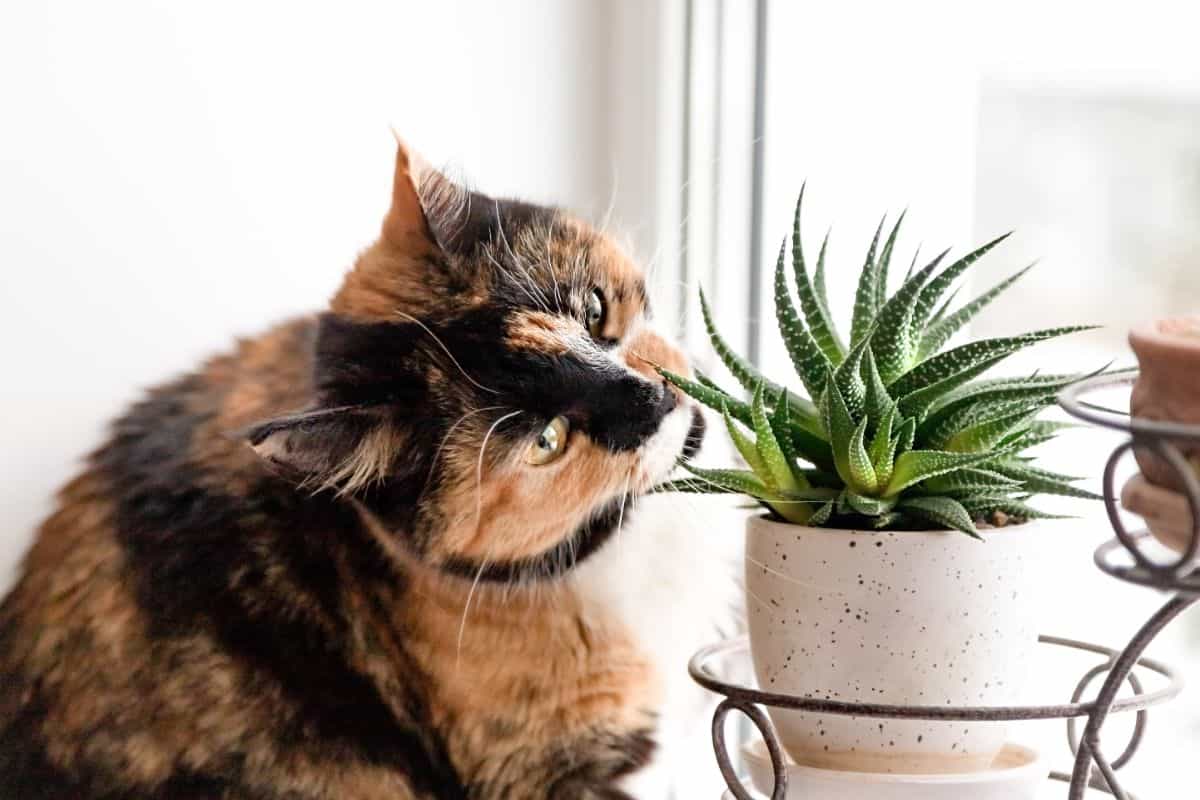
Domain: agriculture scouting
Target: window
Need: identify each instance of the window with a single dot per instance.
(1074, 128)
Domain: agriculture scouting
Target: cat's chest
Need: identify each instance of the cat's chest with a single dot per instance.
(588, 673)
(523, 687)
(669, 581)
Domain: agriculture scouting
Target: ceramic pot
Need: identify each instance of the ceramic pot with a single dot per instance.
(904, 617)
(1167, 388)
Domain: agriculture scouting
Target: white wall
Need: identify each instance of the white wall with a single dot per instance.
(861, 105)
(173, 174)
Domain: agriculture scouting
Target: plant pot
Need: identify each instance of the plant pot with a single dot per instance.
(1167, 388)
(905, 618)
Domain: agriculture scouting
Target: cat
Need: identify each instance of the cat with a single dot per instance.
(376, 552)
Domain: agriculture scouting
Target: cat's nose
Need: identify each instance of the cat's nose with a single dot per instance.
(628, 411)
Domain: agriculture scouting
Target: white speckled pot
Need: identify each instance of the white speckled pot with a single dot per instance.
(898, 617)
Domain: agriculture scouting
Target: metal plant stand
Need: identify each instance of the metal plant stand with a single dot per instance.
(1092, 769)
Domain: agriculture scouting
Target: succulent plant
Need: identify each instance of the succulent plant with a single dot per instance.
(898, 432)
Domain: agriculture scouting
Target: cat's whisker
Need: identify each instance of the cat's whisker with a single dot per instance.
(558, 305)
(606, 220)
(532, 287)
(445, 349)
(437, 454)
(479, 468)
(523, 282)
(579, 273)
(530, 277)
(462, 627)
(462, 624)
(544, 264)
(516, 259)
(624, 500)
(512, 279)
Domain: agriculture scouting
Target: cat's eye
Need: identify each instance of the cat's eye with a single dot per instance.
(595, 313)
(550, 443)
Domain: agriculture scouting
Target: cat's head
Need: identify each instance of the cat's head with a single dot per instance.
(486, 386)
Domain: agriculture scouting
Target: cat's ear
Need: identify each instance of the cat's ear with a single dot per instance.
(427, 207)
(342, 449)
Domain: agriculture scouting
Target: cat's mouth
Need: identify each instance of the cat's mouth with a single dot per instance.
(695, 436)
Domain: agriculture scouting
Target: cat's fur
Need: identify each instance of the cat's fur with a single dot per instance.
(320, 567)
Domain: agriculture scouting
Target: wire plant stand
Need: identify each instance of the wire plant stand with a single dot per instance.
(1180, 578)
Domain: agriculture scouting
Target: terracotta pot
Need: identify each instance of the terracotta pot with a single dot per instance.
(1167, 388)
(897, 617)
(1167, 514)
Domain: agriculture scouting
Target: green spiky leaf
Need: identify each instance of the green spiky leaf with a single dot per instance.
(937, 287)
(1038, 432)
(840, 427)
(906, 436)
(709, 394)
(748, 449)
(883, 446)
(969, 355)
(868, 506)
(778, 472)
(733, 480)
(781, 426)
(900, 436)
(690, 486)
(894, 341)
(849, 380)
(942, 328)
(819, 276)
(918, 465)
(864, 300)
(742, 370)
(917, 403)
(941, 511)
(970, 480)
(986, 507)
(809, 446)
(861, 469)
(949, 413)
(822, 515)
(807, 358)
(885, 261)
(987, 434)
(945, 308)
(1041, 481)
(816, 310)
(878, 402)
(802, 410)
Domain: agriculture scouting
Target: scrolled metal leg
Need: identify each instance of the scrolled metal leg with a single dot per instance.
(1139, 727)
(1089, 749)
(766, 730)
(1170, 453)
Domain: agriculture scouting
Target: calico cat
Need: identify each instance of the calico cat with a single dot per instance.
(350, 558)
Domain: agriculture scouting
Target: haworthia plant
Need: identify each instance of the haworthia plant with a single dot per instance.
(897, 432)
